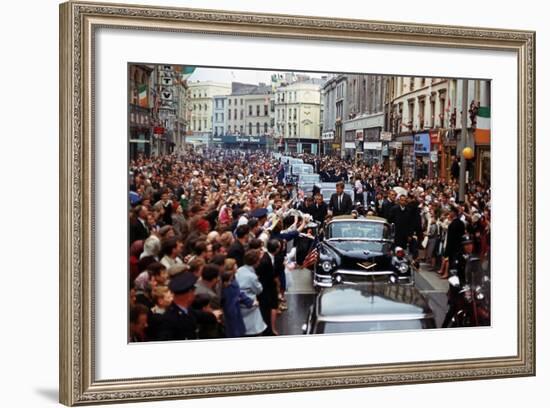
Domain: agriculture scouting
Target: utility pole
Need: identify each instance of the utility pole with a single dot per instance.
(463, 140)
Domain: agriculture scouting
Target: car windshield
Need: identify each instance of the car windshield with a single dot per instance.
(323, 327)
(309, 178)
(358, 229)
(302, 169)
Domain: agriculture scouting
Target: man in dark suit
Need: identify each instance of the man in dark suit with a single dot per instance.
(340, 202)
(237, 248)
(388, 204)
(138, 224)
(400, 216)
(268, 299)
(181, 321)
(455, 232)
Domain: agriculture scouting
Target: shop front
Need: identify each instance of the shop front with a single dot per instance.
(422, 149)
(244, 142)
(482, 159)
(327, 142)
(405, 158)
(373, 153)
(435, 153)
(372, 146)
(140, 142)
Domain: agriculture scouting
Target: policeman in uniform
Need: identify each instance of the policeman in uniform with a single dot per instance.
(181, 321)
(459, 265)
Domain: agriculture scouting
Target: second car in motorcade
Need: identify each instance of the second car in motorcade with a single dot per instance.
(368, 307)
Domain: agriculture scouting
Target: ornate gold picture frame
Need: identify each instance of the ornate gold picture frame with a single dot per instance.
(78, 25)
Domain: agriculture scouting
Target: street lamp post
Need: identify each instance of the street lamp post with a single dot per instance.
(463, 141)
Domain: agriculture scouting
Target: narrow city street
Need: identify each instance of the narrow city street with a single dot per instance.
(236, 176)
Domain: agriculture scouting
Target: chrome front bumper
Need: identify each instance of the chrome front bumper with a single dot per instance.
(326, 281)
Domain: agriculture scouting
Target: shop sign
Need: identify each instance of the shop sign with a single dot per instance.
(372, 146)
(396, 145)
(349, 145)
(327, 136)
(359, 135)
(385, 136)
(433, 156)
(422, 143)
(434, 137)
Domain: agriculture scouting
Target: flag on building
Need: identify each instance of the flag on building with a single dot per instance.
(142, 96)
(184, 71)
(483, 125)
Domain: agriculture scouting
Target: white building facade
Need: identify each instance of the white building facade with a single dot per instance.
(297, 110)
(201, 102)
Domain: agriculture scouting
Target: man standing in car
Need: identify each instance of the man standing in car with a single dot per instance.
(340, 202)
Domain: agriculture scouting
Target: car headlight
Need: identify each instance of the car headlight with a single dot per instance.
(479, 293)
(403, 268)
(454, 281)
(326, 266)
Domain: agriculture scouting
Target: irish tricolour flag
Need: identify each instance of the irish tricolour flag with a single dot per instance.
(483, 125)
(142, 96)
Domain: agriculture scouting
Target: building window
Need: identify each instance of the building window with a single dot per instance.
(229, 102)
(265, 128)
(235, 102)
(229, 113)
(442, 99)
(242, 114)
(205, 107)
(265, 110)
(242, 129)
(250, 128)
(410, 124)
(432, 112)
(242, 102)
(235, 114)
(249, 110)
(295, 129)
(294, 116)
(200, 106)
(257, 110)
(412, 84)
(257, 128)
(205, 126)
(421, 107)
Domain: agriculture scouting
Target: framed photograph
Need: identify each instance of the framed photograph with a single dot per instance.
(254, 203)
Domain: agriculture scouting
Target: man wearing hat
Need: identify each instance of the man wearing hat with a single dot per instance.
(459, 264)
(180, 321)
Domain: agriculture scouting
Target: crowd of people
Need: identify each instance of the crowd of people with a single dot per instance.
(213, 235)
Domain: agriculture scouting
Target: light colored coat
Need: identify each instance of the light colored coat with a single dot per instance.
(251, 287)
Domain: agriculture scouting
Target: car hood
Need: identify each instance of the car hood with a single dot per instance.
(358, 249)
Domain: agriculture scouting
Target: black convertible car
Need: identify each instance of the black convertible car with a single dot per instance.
(358, 250)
